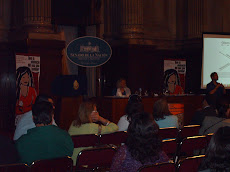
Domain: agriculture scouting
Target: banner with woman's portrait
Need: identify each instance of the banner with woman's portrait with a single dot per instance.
(27, 82)
(174, 76)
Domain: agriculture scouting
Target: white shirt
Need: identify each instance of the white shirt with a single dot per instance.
(127, 91)
(25, 123)
(123, 123)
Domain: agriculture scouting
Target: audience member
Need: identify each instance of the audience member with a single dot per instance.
(45, 141)
(212, 123)
(8, 151)
(207, 110)
(122, 90)
(134, 106)
(163, 116)
(26, 121)
(218, 153)
(143, 145)
(85, 124)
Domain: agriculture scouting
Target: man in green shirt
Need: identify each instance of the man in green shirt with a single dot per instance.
(45, 141)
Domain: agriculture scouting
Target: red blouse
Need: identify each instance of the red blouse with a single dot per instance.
(27, 102)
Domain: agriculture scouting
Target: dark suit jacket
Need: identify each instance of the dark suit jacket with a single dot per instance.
(199, 116)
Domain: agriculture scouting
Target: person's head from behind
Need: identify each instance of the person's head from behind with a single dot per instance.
(133, 108)
(84, 113)
(121, 83)
(160, 109)
(143, 141)
(44, 98)
(223, 107)
(134, 98)
(43, 113)
(218, 152)
(214, 76)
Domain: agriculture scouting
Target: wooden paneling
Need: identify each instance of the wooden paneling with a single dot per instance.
(7, 87)
(142, 66)
(68, 109)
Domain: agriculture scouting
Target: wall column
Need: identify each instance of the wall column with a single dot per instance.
(37, 16)
(4, 19)
(131, 19)
(111, 19)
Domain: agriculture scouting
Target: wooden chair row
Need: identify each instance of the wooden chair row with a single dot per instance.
(49, 165)
(95, 159)
(91, 159)
(87, 140)
(101, 159)
(189, 146)
(190, 164)
(117, 138)
(173, 132)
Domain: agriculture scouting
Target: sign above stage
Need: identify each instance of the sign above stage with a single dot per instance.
(88, 51)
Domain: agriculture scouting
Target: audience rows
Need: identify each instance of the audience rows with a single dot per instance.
(139, 141)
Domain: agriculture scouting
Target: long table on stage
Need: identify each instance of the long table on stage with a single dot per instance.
(113, 108)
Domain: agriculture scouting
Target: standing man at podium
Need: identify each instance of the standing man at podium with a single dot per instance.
(215, 88)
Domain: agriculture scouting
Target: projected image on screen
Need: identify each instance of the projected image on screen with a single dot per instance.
(216, 58)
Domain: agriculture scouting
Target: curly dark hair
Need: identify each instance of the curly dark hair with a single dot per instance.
(133, 108)
(160, 109)
(218, 153)
(143, 141)
(134, 98)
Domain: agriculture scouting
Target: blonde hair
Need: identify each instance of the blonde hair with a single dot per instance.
(84, 112)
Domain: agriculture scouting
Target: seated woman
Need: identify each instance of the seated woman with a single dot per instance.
(131, 109)
(162, 115)
(143, 145)
(84, 124)
(218, 153)
(122, 90)
(134, 106)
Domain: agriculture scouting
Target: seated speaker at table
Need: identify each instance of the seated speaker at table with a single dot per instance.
(122, 90)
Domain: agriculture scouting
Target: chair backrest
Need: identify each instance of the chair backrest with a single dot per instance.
(190, 164)
(191, 144)
(170, 147)
(170, 132)
(14, 167)
(189, 131)
(208, 137)
(116, 138)
(55, 165)
(7, 133)
(85, 140)
(161, 167)
(94, 158)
